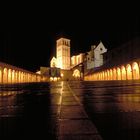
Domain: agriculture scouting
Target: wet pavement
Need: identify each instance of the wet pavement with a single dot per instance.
(71, 110)
(113, 106)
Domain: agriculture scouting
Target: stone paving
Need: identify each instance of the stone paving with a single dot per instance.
(73, 122)
(70, 111)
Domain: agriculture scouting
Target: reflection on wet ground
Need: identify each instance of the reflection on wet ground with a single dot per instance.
(55, 110)
(25, 111)
(113, 106)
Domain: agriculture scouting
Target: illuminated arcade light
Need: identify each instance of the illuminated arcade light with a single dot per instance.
(55, 79)
(62, 74)
(51, 78)
(76, 73)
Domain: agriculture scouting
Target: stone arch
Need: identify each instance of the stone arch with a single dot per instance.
(123, 73)
(24, 80)
(16, 76)
(92, 76)
(22, 77)
(26, 77)
(128, 72)
(114, 74)
(5, 75)
(110, 74)
(0, 75)
(103, 73)
(135, 71)
(96, 76)
(118, 73)
(102, 78)
(99, 76)
(9, 76)
(89, 76)
(13, 76)
(19, 76)
(38, 78)
(34, 78)
(106, 75)
(76, 73)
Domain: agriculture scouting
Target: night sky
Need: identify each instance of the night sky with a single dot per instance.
(31, 38)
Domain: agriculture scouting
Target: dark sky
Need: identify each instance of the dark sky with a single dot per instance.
(31, 37)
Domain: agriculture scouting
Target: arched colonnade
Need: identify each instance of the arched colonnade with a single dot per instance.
(130, 71)
(10, 74)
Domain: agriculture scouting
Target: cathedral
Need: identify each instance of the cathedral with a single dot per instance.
(67, 65)
(64, 63)
(63, 66)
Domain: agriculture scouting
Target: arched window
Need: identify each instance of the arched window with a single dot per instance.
(135, 71)
(114, 74)
(128, 72)
(76, 73)
(5, 75)
(123, 73)
(118, 73)
(9, 76)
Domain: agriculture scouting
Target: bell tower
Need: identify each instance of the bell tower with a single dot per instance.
(63, 53)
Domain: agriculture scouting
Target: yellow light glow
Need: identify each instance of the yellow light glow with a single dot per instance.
(51, 78)
(135, 69)
(62, 74)
(53, 62)
(129, 72)
(63, 53)
(76, 73)
(123, 72)
(38, 72)
(55, 79)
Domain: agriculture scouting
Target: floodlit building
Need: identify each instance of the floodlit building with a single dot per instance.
(63, 58)
(95, 56)
(63, 61)
(61, 65)
(99, 50)
(77, 59)
(63, 53)
(53, 62)
(73, 67)
(120, 63)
